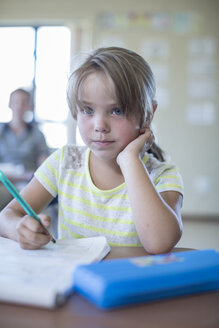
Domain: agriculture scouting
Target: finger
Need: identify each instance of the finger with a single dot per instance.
(149, 142)
(147, 136)
(151, 138)
(45, 220)
(143, 130)
(31, 244)
(32, 240)
(35, 226)
(146, 131)
(31, 234)
(31, 224)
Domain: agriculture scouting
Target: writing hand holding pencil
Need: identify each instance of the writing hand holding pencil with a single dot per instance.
(7, 183)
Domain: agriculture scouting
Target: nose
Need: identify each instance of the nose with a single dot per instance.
(101, 124)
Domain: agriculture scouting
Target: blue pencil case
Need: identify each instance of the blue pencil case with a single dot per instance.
(112, 283)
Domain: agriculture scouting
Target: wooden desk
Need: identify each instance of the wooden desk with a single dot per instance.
(196, 311)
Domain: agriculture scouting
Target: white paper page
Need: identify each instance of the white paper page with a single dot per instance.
(39, 277)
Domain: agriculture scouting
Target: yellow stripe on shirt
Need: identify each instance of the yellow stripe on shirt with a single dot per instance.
(95, 205)
(96, 217)
(100, 230)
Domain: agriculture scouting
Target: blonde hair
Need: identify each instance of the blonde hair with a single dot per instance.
(131, 75)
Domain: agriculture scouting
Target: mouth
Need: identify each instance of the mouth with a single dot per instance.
(103, 143)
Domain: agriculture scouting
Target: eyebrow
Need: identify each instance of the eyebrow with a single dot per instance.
(84, 102)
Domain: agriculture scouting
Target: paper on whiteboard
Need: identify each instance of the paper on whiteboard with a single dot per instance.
(201, 113)
(202, 88)
(202, 47)
(201, 67)
(161, 73)
(155, 48)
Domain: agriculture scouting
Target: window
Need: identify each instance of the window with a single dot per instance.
(37, 58)
(16, 63)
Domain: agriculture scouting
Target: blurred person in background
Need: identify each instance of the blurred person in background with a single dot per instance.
(22, 145)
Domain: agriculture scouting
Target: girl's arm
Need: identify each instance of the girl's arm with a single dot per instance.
(157, 216)
(16, 224)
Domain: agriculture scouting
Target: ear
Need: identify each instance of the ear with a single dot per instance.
(154, 106)
(147, 123)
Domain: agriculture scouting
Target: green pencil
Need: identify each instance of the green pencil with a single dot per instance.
(11, 188)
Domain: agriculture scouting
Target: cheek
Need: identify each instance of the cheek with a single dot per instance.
(128, 132)
(83, 126)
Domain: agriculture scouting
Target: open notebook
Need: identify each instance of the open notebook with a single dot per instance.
(44, 277)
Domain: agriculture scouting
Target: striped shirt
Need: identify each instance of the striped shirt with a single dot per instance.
(85, 210)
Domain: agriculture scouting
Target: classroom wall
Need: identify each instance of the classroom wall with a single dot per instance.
(180, 41)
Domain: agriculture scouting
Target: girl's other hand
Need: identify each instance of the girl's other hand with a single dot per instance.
(142, 143)
(31, 234)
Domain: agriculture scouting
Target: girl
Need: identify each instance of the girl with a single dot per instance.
(118, 185)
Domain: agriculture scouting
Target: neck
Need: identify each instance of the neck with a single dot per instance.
(105, 174)
(17, 126)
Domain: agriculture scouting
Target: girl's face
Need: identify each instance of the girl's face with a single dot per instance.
(102, 124)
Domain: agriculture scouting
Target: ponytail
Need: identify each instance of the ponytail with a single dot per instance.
(157, 152)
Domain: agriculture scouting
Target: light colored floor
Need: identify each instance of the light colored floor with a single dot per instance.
(200, 233)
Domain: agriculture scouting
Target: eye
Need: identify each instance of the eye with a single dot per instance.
(87, 110)
(117, 111)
